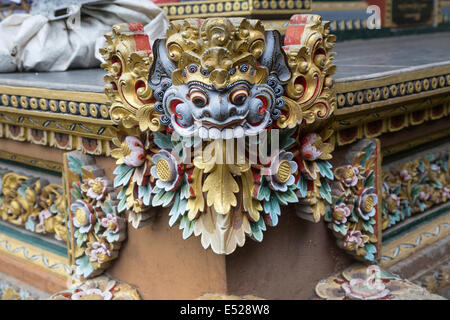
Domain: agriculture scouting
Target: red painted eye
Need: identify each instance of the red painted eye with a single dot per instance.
(198, 97)
(239, 96)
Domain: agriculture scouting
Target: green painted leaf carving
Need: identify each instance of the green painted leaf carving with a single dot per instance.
(123, 205)
(162, 198)
(123, 174)
(74, 164)
(162, 141)
(325, 169)
(286, 139)
(84, 267)
(184, 190)
(145, 193)
(302, 186)
(257, 229)
(369, 149)
(187, 226)
(325, 190)
(76, 192)
(370, 251)
(178, 209)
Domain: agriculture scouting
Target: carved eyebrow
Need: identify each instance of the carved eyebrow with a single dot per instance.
(237, 83)
(199, 84)
(230, 86)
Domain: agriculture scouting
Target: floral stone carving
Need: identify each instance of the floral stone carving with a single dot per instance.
(354, 216)
(415, 186)
(370, 283)
(213, 84)
(97, 229)
(100, 288)
(33, 203)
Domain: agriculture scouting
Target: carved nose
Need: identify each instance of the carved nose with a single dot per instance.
(218, 109)
(222, 110)
(219, 78)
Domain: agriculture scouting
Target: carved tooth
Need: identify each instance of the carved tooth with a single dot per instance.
(203, 133)
(214, 133)
(238, 132)
(227, 133)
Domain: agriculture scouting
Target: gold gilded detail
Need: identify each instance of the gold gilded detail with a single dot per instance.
(163, 170)
(33, 203)
(284, 171)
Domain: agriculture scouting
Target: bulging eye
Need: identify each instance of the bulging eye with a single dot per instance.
(239, 96)
(198, 97)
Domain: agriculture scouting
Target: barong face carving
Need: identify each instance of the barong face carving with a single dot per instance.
(196, 136)
(222, 78)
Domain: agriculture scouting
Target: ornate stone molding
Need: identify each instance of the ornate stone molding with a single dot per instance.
(224, 8)
(422, 82)
(415, 186)
(355, 214)
(64, 120)
(401, 248)
(97, 229)
(52, 263)
(220, 80)
(32, 203)
(31, 161)
(371, 123)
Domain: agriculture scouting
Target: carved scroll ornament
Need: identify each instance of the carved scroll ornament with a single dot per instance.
(33, 203)
(207, 85)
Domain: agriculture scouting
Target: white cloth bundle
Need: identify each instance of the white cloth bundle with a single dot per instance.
(32, 42)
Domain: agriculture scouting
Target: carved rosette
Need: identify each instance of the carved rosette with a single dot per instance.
(355, 213)
(100, 288)
(362, 282)
(97, 229)
(210, 83)
(33, 203)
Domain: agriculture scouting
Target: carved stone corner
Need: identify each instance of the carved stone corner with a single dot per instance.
(96, 227)
(218, 80)
(354, 216)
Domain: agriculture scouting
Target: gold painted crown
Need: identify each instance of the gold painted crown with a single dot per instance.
(216, 52)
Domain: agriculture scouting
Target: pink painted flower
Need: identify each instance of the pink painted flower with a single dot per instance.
(308, 149)
(353, 240)
(135, 155)
(445, 192)
(341, 213)
(349, 176)
(43, 215)
(405, 176)
(98, 252)
(359, 289)
(424, 196)
(97, 188)
(367, 202)
(92, 294)
(392, 203)
(111, 223)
